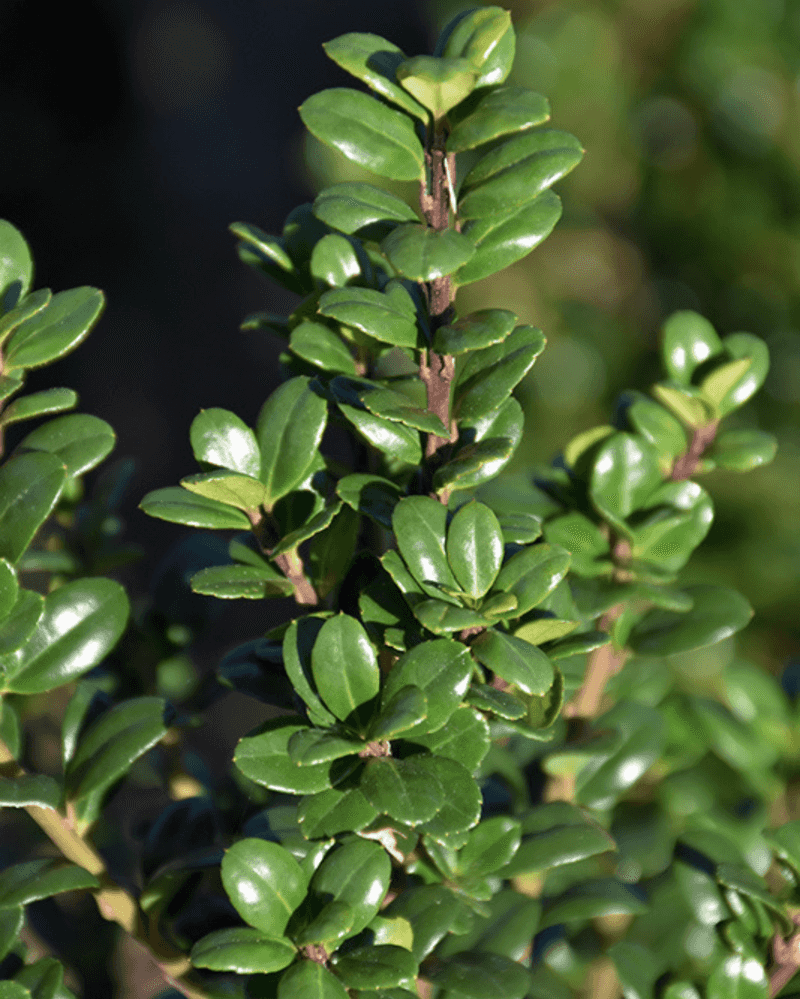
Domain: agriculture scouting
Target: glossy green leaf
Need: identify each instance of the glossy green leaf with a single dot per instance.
(686, 402)
(503, 239)
(243, 950)
(345, 668)
(44, 979)
(490, 846)
(558, 844)
(9, 589)
(625, 472)
(268, 254)
(515, 660)
(423, 254)
(21, 884)
(438, 83)
(182, 507)
(584, 539)
(719, 383)
(357, 873)
(108, 749)
(743, 450)
(385, 402)
(14, 990)
(408, 790)
(264, 882)
(544, 629)
(499, 112)
(738, 976)
(496, 702)
(740, 346)
(30, 789)
(310, 746)
(577, 645)
(717, 613)
(289, 430)
(403, 711)
(81, 623)
(230, 488)
(298, 644)
(465, 738)
(372, 495)
(264, 758)
(461, 808)
(532, 574)
(681, 990)
(229, 582)
(602, 897)
(474, 331)
(309, 980)
(365, 131)
(334, 811)
(39, 404)
(392, 438)
(376, 967)
(388, 316)
(352, 206)
(516, 173)
(687, 341)
(19, 624)
(30, 485)
(678, 517)
(419, 524)
(16, 266)
(474, 464)
(701, 894)
(485, 36)
(637, 968)
(10, 383)
(12, 920)
(748, 884)
(320, 346)
(335, 263)
(313, 526)
(374, 60)
(79, 441)
(443, 618)
(442, 670)
(220, 438)
(480, 975)
(497, 371)
(475, 548)
(656, 424)
(55, 330)
(26, 307)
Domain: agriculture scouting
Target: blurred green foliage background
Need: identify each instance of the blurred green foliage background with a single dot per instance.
(688, 197)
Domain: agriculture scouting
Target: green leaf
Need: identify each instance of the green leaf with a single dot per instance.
(717, 613)
(748, 884)
(264, 882)
(490, 846)
(55, 330)
(334, 811)
(366, 132)
(587, 543)
(22, 311)
(388, 316)
(109, 747)
(485, 36)
(335, 262)
(461, 808)
(475, 331)
(625, 472)
(544, 629)
(474, 464)
(419, 524)
(507, 928)
(320, 346)
(743, 450)
(404, 710)
(268, 254)
(298, 644)
(20, 622)
(499, 112)
(313, 526)
(657, 425)
(371, 495)
(681, 515)
(441, 669)
(407, 790)
(81, 623)
(496, 702)
(385, 402)
(30, 485)
(13, 990)
(373, 60)
(516, 173)
(503, 239)
(465, 738)
(376, 967)
(289, 430)
(438, 83)
(687, 341)
(719, 382)
(740, 346)
(701, 894)
(637, 968)
(229, 582)
(39, 404)
(738, 976)
(395, 439)
(531, 574)
(310, 746)
(80, 441)
(16, 266)
(491, 375)
(309, 980)
(230, 488)
(30, 789)
(562, 842)
(443, 618)
(685, 401)
(356, 873)
(10, 383)
(602, 897)
(243, 950)
(12, 920)
(264, 758)
(475, 548)
(352, 206)
(515, 660)
(423, 254)
(345, 669)
(220, 438)
(480, 975)
(21, 884)
(9, 589)
(181, 507)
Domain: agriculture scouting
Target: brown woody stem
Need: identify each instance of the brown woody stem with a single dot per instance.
(687, 464)
(786, 954)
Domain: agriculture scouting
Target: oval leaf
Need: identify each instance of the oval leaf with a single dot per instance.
(264, 882)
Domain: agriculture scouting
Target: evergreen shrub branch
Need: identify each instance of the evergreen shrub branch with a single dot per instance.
(480, 776)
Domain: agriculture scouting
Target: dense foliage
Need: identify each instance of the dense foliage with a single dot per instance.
(484, 773)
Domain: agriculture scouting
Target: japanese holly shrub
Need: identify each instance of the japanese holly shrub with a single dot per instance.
(482, 773)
